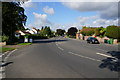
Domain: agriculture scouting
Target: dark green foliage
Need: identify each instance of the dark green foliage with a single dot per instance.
(113, 32)
(46, 32)
(39, 36)
(100, 31)
(60, 32)
(72, 31)
(97, 31)
(4, 38)
(13, 18)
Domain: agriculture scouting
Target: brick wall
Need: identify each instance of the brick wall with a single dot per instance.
(79, 36)
(101, 40)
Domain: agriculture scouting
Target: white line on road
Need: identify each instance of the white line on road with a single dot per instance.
(61, 48)
(2, 75)
(104, 55)
(2, 72)
(2, 54)
(85, 57)
(9, 55)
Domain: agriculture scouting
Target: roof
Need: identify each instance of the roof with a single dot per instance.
(18, 31)
(35, 29)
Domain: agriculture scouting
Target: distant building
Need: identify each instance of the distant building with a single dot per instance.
(26, 32)
(19, 32)
(33, 31)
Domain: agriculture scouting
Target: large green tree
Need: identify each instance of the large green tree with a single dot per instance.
(13, 18)
(60, 32)
(113, 32)
(72, 31)
(46, 31)
(88, 31)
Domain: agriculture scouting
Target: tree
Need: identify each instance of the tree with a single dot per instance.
(46, 31)
(13, 18)
(72, 31)
(100, 31)
(87, 31)
(60, 32)
(97, 31)
(42, 28)
(113, 32)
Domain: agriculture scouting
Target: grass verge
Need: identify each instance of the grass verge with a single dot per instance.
(25, 44)
(2, 49)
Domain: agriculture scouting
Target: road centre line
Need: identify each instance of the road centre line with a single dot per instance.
(104, 55)
(84, 57)
(61, 48)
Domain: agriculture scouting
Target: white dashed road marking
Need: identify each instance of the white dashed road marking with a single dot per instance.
(61, 48)
(104, 55)
(84, 57)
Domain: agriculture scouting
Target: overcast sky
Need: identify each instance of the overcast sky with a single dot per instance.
(63, 14)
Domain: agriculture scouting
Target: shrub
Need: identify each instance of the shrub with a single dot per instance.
(100, 31)
(87, 31)
(4, 38)
(39, 36)
(113, 32)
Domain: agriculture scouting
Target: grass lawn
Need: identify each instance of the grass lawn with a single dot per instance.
(25, 44)
(2, 49)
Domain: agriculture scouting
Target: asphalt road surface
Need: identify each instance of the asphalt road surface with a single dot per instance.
(60, 58)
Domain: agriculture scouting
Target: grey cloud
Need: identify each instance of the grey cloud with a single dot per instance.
(104, 9)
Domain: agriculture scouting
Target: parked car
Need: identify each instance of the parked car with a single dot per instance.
(92, 40)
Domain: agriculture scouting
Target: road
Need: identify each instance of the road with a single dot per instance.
(60, 58)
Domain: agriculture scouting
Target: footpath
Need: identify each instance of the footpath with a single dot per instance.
(4, 55)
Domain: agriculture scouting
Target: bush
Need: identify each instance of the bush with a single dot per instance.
(100, 31)
(113, 32)
(87, 31)
(4, 38)
(39, 36)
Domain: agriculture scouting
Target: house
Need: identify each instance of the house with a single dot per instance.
(33, 31)
(19, 32)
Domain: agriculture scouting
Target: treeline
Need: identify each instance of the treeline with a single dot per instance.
(111, 31)
(44, 33)
(71, 33)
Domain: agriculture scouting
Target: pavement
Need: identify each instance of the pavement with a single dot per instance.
(59, 58)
